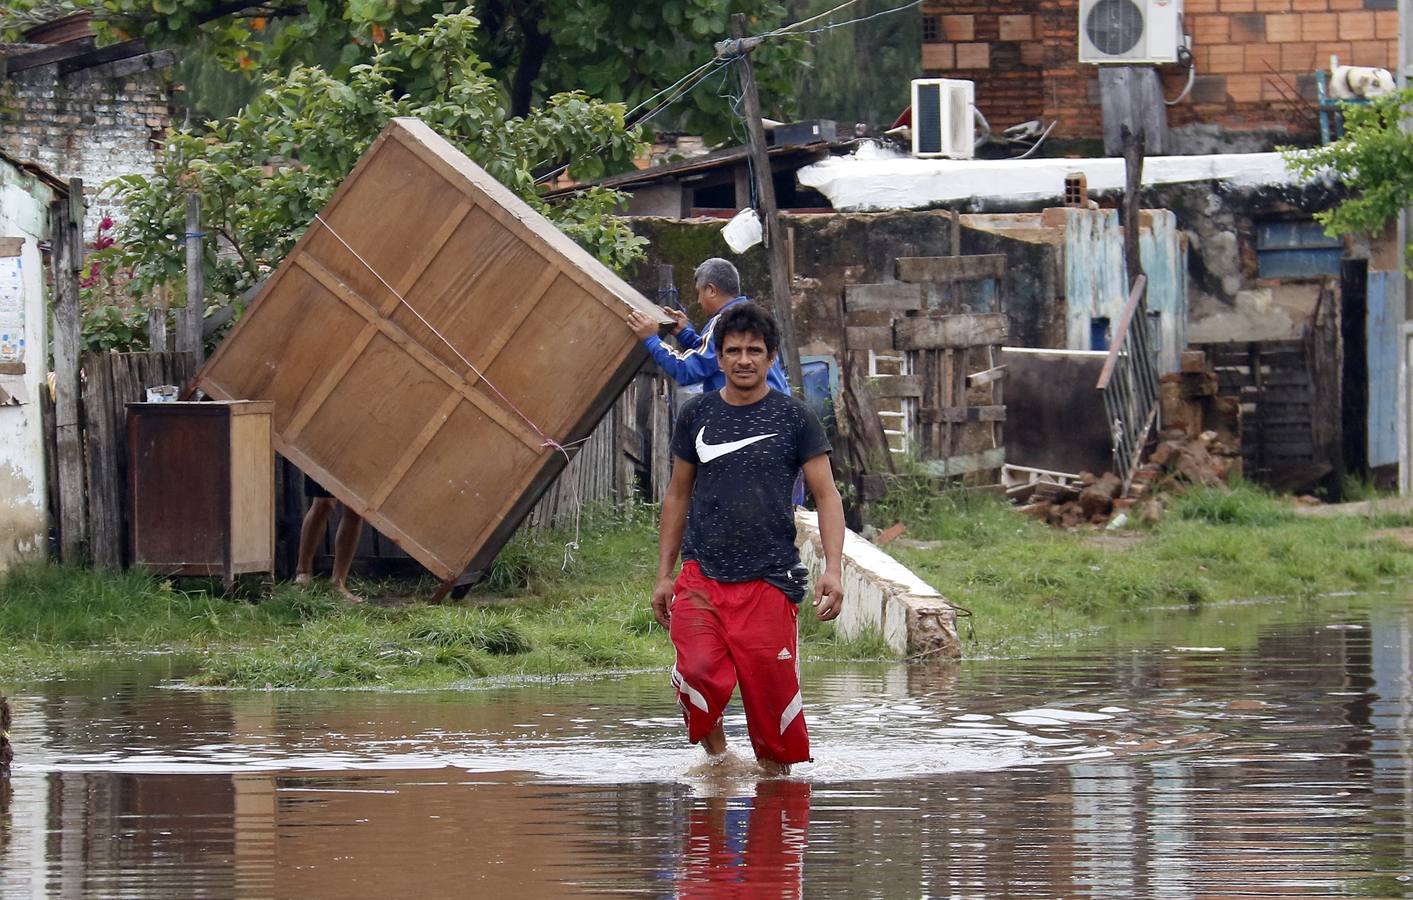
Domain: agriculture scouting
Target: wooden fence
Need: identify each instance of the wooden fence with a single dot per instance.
(108, 382)
(1289, 392)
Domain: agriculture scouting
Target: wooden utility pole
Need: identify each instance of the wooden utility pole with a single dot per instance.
(741, 48)
(66, 218)
(189, 322)
(1133, 145)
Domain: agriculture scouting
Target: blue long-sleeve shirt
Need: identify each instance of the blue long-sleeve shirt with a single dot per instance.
(696, 363)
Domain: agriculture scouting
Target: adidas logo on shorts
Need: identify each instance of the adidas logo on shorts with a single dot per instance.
(783, 654)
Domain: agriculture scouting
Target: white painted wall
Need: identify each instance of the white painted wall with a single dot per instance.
(874, 178)
(24, 204)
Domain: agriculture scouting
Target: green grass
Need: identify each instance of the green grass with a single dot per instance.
(1029, 584)
(532, 615)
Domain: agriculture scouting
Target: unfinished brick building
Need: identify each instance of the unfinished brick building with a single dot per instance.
(1255, 62)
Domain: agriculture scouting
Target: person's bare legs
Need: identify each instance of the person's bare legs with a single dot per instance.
(310, 534)
(715, 741)
(771, 767)
(345, 544)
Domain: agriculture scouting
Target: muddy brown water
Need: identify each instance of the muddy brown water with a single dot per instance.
(1249, 751)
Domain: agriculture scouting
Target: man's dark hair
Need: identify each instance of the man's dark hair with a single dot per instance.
(747, 318)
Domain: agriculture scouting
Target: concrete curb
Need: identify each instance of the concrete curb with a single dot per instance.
(882, 594)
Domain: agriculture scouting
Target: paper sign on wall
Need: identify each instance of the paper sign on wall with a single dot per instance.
(12, 310)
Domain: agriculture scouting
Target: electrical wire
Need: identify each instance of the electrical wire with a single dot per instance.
(1191, 77)
(786, 28)
(878, 15)
(701, 73)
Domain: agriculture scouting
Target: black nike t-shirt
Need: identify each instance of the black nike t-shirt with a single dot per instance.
(741, 522)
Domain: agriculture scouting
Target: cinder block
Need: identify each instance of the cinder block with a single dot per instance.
(1282, 28)
(1357, 26)
(1319, 27)
(1244, 88)
(1262, 58)
(1326, 49)
(1015, 28)
(1210, 30)
(1209, 89)
(1249, 29)
(1369, 53)
(959, 28)
(1226, 59)
(973, 56)
(939, 57)
(1298, 57)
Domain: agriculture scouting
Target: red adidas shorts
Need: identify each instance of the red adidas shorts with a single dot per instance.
(744, 632)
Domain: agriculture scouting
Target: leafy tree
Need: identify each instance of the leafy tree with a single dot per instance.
(1373, 159)
(859, 72)
(615, 50)
(263, 173)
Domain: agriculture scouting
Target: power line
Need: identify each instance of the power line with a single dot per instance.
(784, 28)
(877, 15)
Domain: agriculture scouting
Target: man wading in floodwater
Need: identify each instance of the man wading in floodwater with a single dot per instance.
(731, 611)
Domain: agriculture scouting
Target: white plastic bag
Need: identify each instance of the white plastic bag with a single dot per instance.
(743, 231)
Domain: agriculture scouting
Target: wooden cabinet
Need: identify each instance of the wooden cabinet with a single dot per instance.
(435, 350)
(202, 488)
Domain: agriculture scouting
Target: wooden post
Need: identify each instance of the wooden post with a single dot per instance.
(189, 322)
(1133, 181)
(769, 214)
(157, 323)
(73, 514)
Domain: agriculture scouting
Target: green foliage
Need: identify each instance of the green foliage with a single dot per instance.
(119, 328)
(1373, 159)
(263, 173)
(859, 73)
(613, 50)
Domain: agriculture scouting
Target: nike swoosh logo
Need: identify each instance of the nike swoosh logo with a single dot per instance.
(708, 452)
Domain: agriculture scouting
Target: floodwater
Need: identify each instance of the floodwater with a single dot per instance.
(1260, 750)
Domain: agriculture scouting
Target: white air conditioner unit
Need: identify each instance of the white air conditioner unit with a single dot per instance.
(1130, 31)
(944, 119)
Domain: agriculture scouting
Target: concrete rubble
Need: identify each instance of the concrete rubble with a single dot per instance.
(1199, 445)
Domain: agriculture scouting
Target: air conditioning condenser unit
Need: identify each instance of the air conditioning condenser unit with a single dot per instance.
(1130, 32)
(944, 119)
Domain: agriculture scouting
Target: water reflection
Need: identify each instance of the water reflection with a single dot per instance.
(1177, 770)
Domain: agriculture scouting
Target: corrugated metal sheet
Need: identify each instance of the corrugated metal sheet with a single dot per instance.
(1382, 334)
(1095, 284)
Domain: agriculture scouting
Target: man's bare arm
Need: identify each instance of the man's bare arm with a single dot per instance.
(674, 521)
(819, 478)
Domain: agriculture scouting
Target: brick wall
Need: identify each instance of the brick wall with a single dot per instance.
(94, 124)
(1255, 60)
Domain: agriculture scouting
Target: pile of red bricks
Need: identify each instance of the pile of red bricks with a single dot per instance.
(1200, 444)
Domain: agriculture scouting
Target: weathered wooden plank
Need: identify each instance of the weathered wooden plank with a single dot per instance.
(73, 511)
(892, 386)
(867, 428)
(878, 338)
(888, 297)
(962, 414)
(971, 462)
(947, 269)
(987, 376)
(950, 332)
